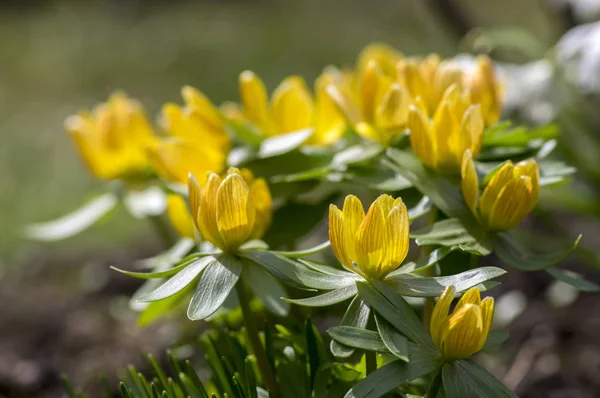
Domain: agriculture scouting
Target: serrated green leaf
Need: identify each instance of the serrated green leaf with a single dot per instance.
(415, 286)
(326, 299)
(495, 340)
(280, 144)
(215, 284)
(178, 281)
(357, 338)
(266, 288)
(74, 222)
(513, 253)
(357, 315)
(465, 378)
(295, 273)
(395, 342)
(574, 279)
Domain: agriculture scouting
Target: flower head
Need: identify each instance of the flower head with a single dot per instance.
(230, 210)
(292, 107)
(511, 194)
(112, 139)
(457, 125)
(372, 245)
(463, 332)
(179, 216)
(197, 140)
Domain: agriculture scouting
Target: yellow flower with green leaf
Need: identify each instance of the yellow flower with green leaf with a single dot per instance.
(462, 333)
(457, 125)
(179, 216)
(508, 198)
(113, 138)
(230, 210)
(372, 245)
(291, 108)
(374, 104)
(197, 141)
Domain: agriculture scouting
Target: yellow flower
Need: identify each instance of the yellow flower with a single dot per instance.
(463, 332)
(179, 215)
(457, 125)
(112, 139)
(386, 57)
(291, 108)
(485, 89)
(232, 210)
(511, 194)
(197, 140)
(373, 245)
(375, 105)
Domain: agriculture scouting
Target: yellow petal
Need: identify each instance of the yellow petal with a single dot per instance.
(345, 102)
(386, 56)
(207, 218)
(179, 215)
(421, 137)
(200, 104)
(291, 106)
(471, 296)
(487, 313)
(410, 77)
(354, 214)
(195, 199)
(440, 313)
(263, 203)
(472, 129)
(446, 133)
(512, 205)
(398, 238)
(469, 182)
(530, 169)
(369, 87)
(367, 130)
(392, 111)
(447, 74)
(255, 101)
(371, 241)
(235, 212)
(330, 123)
(337, 236)
(462, 332)
(504, 174)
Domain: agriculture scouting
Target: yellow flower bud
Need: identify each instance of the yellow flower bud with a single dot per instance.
(113, 138)
(290, 109)
(372, 245)
(231, 210)
(179, 215)
(511, 194)
(463, 332)
(457, 126)
(485, 89)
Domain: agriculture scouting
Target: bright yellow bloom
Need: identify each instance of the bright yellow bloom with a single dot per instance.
(511, 194)
(485, 89)
(179, 215)
(231, 210)
(373, 245)
(112, 139)
(457, 125)
(291, 108)
(375, 105)
(463, 332)
(197, 141)
(386, 57)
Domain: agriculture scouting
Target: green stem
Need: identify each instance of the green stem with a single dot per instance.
(436, 383)
(259, 351)
(162, 230)
(371, 361)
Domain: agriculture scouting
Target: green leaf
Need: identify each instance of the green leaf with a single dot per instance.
(312, 174)
(423, 264)
(245, 133)
(255, 244)
(162, 274)
(391, 306)
(325, 269)
(416, 286)
(357, 315)
(305, 252)
(284, 143)
(519, 136)
(296, 273)
(266, 287)
(465, 378)
(149, 202)
(357, 154)
(75, 222)
(574, 279)
(513, 253)
(179, 281)
(391, 376)
(357, 338)
(395, 342)
(215, 284)
(451, 232)
(423, 207)
(495, 339)
(373, 178)
(442, 193)
(156, 309)
(326, 299)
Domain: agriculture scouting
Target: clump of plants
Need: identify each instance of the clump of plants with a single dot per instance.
(408, 164)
